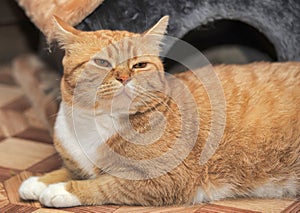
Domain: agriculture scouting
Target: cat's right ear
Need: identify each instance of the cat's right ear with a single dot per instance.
(64, 33)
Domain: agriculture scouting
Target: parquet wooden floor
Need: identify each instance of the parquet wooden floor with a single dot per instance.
(26, 149)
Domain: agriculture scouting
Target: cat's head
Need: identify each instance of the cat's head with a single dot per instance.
(112, 70)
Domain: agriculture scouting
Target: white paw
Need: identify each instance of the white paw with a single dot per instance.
(55, 195)
(31, 188)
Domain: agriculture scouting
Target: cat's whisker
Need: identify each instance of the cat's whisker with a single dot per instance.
(54, 115)
(152, 97)
(151, 106)
(102, 86)
(108, 85)
(142, 93)
(109, 89)
(107, 93)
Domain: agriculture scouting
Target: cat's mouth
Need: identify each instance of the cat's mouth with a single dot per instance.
(115, 93)
(120, 101)
(123, 91)
(135, 96)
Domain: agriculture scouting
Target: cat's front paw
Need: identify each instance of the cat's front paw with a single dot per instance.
(55, 195)
(31, 189)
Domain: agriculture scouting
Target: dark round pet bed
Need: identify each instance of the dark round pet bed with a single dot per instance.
(265, 30)
(277, 20)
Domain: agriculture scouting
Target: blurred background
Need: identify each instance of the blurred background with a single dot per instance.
(17, 34)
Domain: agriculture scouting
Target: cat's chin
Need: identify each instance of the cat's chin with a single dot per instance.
(121, 103)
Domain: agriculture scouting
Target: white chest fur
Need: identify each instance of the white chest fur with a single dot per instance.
(81, 132)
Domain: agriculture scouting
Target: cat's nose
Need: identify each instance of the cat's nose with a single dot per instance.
(123, 79)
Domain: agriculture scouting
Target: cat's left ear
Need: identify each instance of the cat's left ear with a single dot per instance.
(160, 28)
(153, 36)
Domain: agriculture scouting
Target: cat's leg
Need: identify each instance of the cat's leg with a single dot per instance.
(107, 189)
(31, 188)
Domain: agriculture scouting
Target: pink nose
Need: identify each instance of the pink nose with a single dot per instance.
(123, 79)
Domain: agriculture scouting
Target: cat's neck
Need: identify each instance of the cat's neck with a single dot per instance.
(84, 122)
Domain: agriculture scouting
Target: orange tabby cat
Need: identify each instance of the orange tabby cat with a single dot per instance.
(130, 134)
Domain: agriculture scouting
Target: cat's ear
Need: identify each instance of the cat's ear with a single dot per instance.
(153, 37)
(160, 28)
(64, 33)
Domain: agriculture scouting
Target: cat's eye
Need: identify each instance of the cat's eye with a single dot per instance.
(140, 65)
(102, 62)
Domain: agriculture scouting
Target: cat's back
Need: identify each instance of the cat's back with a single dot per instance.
(259, 74)
(283, 75)
(248, 84)
(261, 90)
(262, 100)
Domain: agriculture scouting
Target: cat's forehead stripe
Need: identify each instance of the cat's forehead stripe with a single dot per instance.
(124, 49)
(109, 52)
